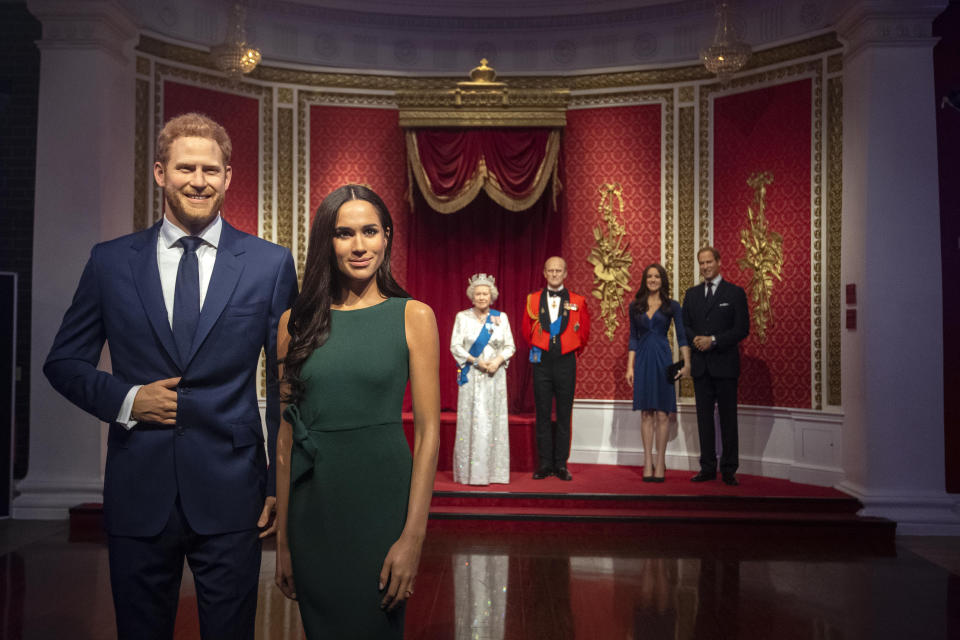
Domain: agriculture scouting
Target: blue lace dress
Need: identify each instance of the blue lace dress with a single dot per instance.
(648, 338)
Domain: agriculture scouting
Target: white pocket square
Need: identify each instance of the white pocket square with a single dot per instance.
(724, 304)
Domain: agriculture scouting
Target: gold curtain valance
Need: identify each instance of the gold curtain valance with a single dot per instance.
(482, 176)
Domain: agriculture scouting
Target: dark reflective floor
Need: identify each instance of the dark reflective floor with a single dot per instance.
(553, 585)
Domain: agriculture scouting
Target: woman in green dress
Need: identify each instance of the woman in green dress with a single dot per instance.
(352, 503)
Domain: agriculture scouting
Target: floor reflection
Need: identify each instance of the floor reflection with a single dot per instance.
(481, 583)
(522, 586)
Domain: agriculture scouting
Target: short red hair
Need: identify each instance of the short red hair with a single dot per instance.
(192, 125)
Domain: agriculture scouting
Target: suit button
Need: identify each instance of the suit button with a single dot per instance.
(185, 390)
(180, 431)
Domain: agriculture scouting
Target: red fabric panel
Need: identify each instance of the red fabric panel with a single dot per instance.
(450, 157)
(446, 249)
(621, 144)
(769, 130)
(513, 156)
(361, 146)
(240, 116)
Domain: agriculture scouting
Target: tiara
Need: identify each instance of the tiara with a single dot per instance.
(481, 279)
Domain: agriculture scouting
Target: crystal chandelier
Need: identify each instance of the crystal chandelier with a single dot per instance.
(727, 54)
(233, 56)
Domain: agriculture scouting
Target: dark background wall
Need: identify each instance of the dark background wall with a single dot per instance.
(946, 57)
(19, 84)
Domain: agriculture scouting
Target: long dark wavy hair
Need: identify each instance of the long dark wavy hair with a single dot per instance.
(639, 304)
(309, 324)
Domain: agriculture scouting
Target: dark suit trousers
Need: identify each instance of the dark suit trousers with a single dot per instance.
(722, 392)
(555, 376)
(145, 576)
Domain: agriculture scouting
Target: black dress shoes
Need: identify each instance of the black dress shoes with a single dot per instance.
(563, 474)
(703, 477)
(730, 479)
(542, 472)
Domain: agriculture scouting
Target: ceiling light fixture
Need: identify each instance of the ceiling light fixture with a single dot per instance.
(727, 54)
(233, 56)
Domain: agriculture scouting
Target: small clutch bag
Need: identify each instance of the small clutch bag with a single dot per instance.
(673, 370)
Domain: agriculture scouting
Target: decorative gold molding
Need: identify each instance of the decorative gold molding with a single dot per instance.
(668, 144)
(834, 235)
(141, 155)
(686, 94)
(690, 73)
(818, 355)
(686, 213)
(286, 214)
(143, 66)
(835, 63)
(284, 95)
(302, 213)
(763, 254)
(421, 118)
(482, 102)
(703, 179)
(610, 257)
(686, 179)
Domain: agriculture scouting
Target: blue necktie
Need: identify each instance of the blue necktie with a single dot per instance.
(709, 290)
(186, 298)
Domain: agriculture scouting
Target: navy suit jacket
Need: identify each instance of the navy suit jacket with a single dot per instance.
(214, 457)
(727, 318)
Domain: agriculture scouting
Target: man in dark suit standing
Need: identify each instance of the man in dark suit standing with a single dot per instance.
(557, 329)
(186, 307)
(716, 319)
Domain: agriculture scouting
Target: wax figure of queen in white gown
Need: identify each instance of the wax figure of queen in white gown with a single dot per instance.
(482, 345)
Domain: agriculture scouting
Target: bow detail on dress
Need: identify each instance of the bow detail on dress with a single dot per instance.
(303, 453)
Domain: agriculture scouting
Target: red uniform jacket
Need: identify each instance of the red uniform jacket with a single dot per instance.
(574, 327)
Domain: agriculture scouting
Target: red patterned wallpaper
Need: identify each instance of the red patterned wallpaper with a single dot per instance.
(621, 144)
(769, 130)
(363, 146)
(240, 116)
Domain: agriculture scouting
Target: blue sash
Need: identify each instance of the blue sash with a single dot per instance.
(536, 352)
(478, 345)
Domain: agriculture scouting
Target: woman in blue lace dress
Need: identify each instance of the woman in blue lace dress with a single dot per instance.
(651, 313)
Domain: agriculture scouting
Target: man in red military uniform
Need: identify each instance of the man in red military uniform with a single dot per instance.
(557, 329)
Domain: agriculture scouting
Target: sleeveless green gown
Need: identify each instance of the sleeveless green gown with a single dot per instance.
(350, 473)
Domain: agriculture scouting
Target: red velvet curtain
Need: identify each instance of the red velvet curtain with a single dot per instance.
(450, 157)
(512, 166)
(446, 249)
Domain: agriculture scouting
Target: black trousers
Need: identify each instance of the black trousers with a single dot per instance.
(145, 574)
(554, 377)
(722, 392)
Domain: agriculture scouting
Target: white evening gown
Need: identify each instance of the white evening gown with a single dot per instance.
(481, 454)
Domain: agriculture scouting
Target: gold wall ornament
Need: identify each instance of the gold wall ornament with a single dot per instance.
(483, 101)
(764, 254)
(610, 257)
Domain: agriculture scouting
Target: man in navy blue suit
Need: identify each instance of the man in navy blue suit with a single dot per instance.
(186, 307)
(716, 319)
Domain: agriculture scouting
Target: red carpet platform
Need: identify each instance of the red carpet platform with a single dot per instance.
(613, 499)
(606, 496)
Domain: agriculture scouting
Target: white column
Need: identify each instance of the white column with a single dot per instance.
(893, 433)
(84, 194)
